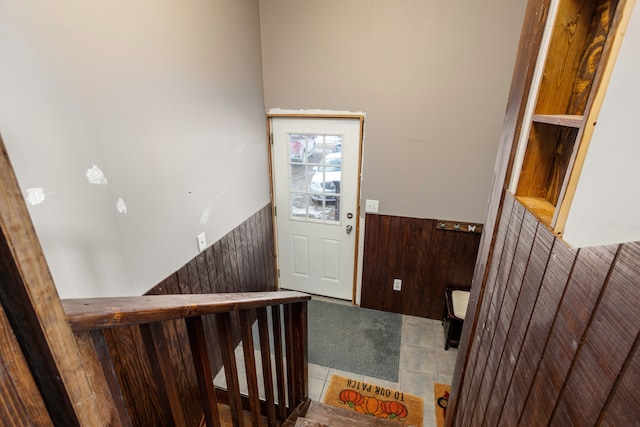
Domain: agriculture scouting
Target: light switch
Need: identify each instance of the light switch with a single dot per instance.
(371, 206)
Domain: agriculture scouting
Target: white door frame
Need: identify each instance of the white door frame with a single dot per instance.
(302, 114)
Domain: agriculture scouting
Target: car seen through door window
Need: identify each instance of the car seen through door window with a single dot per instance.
(301, 147)
(325, 182)
(315, 170)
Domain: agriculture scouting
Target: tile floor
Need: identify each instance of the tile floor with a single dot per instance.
(423, 361)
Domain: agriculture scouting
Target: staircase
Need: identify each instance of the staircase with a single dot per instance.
(152, 359)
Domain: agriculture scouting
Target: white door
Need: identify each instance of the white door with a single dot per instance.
(316, 169)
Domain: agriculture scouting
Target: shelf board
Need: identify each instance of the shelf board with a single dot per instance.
(559, 119)
(539, 207)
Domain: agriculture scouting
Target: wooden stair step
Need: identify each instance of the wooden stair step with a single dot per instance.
(321, 415)
(226, 419)
(303, 422)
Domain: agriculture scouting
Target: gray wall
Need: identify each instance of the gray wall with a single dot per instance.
(165, 98)
(431, 76)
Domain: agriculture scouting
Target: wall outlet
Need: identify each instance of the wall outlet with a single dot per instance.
(397, 284)
(202, 242)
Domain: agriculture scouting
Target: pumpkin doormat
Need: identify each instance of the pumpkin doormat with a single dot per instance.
(441, 393)
(374, 400)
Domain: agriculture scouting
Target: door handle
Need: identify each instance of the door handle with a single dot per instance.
(349, 228)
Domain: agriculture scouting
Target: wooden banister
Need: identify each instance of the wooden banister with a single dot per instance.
(178, 334)
(85, 314)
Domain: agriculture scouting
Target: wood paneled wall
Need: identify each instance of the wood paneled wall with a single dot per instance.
(241, 261)
(557, 335)
(426, 258)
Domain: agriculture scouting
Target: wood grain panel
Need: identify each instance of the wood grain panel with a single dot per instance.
(488, 295)
(493, 308)
(505, 311)
(276, 320)
(184, 281)
(203, 273)
(556, 271)
(134, 374)
(538, 161)
(179, 350)
(107, 396)
(21, 402)
(251, 371)
(623, 405)
(227, 346)
(249, 257)
(232, 269)
(201, 359)
(158, 353)
(212, 269)
(241, 268)
(615, 324)
(265, 237)
(561, 347)
(111, 377)
(518, 324)
(581, 295)
(563, 62)
(193, 278)
(596, 48)
(267, 372)
(581, 332)
(426, 258)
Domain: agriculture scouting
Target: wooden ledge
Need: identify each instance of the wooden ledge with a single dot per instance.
(567, 120)
(85, 314)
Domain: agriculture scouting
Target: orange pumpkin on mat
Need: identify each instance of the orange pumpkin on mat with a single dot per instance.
(394, 409)
(351, 397)
(371, 406)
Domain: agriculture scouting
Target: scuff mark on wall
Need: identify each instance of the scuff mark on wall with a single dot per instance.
(35, 196)
(237, 150)
(121, 206)
(206, 213)
(96, 176)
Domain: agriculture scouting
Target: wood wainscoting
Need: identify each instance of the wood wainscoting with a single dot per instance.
(557, 333)
(241, 261)
(427, 259)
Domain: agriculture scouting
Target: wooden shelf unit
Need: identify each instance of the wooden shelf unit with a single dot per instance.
(576, 56)
(549, 151)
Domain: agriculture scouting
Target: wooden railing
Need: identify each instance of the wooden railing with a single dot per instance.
(159, 353)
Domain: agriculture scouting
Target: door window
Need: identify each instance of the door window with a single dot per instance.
(315, 171)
